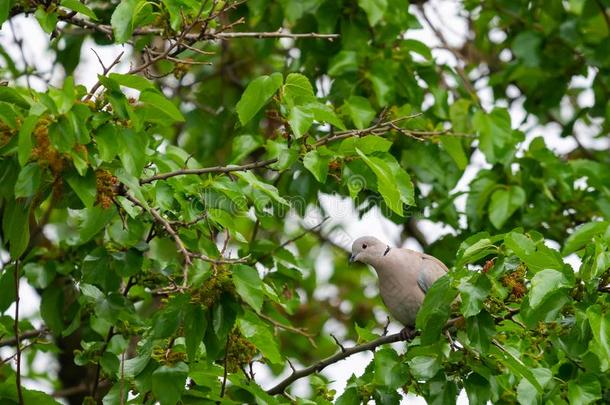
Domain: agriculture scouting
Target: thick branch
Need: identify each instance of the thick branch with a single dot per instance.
(344, 353)
(215, 169)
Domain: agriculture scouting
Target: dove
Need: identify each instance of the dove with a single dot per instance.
(404, 276)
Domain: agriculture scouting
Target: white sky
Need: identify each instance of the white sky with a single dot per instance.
(341, 211)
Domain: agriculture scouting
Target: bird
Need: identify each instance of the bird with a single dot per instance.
(404, 276)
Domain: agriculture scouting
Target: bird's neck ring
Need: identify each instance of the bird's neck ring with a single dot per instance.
(387, 250)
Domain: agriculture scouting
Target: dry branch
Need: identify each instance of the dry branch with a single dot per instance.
(215, 169)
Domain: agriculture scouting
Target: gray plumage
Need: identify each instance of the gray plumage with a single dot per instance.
(404, 275)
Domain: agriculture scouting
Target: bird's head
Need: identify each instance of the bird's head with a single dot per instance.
(367, 249)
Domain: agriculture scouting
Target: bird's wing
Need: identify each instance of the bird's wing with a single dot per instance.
(431, 269)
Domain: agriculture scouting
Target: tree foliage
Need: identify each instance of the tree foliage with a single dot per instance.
(154, 213)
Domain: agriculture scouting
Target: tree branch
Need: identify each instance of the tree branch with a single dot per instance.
(342, 354)
(17, 337)
(380, 127)
(215, 169)
(22, 336)
(346, 352)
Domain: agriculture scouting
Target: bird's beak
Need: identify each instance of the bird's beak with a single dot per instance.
(352, 258)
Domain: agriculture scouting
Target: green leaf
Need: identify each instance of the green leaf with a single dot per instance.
(477, 389)
(325, 113)
(424, 367)
(47, 20)
(248, 285)
(475, 248)
(168, 383)
(132, 150)
(52, 309)
(545, 283)
(267, 189)
(385, 182)
(317, 164)
(5, 6)
(79, 8)
(504, 202)
(7, 286)
(195, 323)
(374, 9)
(474, 291)
(480, 330)
(343, 62)
(94, 220)
(526, 392)
(24, 148)
(297, 90)
(256, 95)
(435, 310)
(388, 370)
(132, 81)
(586, 390)
(122, 20)
(16, 226)
(161, 104)
(582, 236)
(12, 96)
(300, 119)
(258, 333)
(367, 145)
(495, 134)
(28, 180)
(84, 187)
(455, 149)
(360, 111)
(514, 364)
(39, 275)
(600, 326)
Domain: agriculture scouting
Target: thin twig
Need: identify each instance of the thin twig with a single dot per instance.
(105, 71)
(168, 227)
(17, 337)
(22, 336)
(215, 169)
(379, 128)
(289, 328)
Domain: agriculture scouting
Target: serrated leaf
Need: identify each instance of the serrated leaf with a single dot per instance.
(28, 180)
(386, 185)
(545, 283)
(168, 383)
(375, 9)
(300, 119)
(256, 95)
(582, 236)
(160, 103)
(504, 202)
(248, 285)
(79, 7)
(122, 20)
(297, 90)
(360, 111)
(317, 164)
(258, 333)
(195, 323)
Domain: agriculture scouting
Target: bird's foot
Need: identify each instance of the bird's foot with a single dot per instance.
(407, 333)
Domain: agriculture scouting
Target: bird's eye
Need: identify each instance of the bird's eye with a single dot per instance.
(364, 246)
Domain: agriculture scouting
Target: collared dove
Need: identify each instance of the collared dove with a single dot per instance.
(404, 275)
